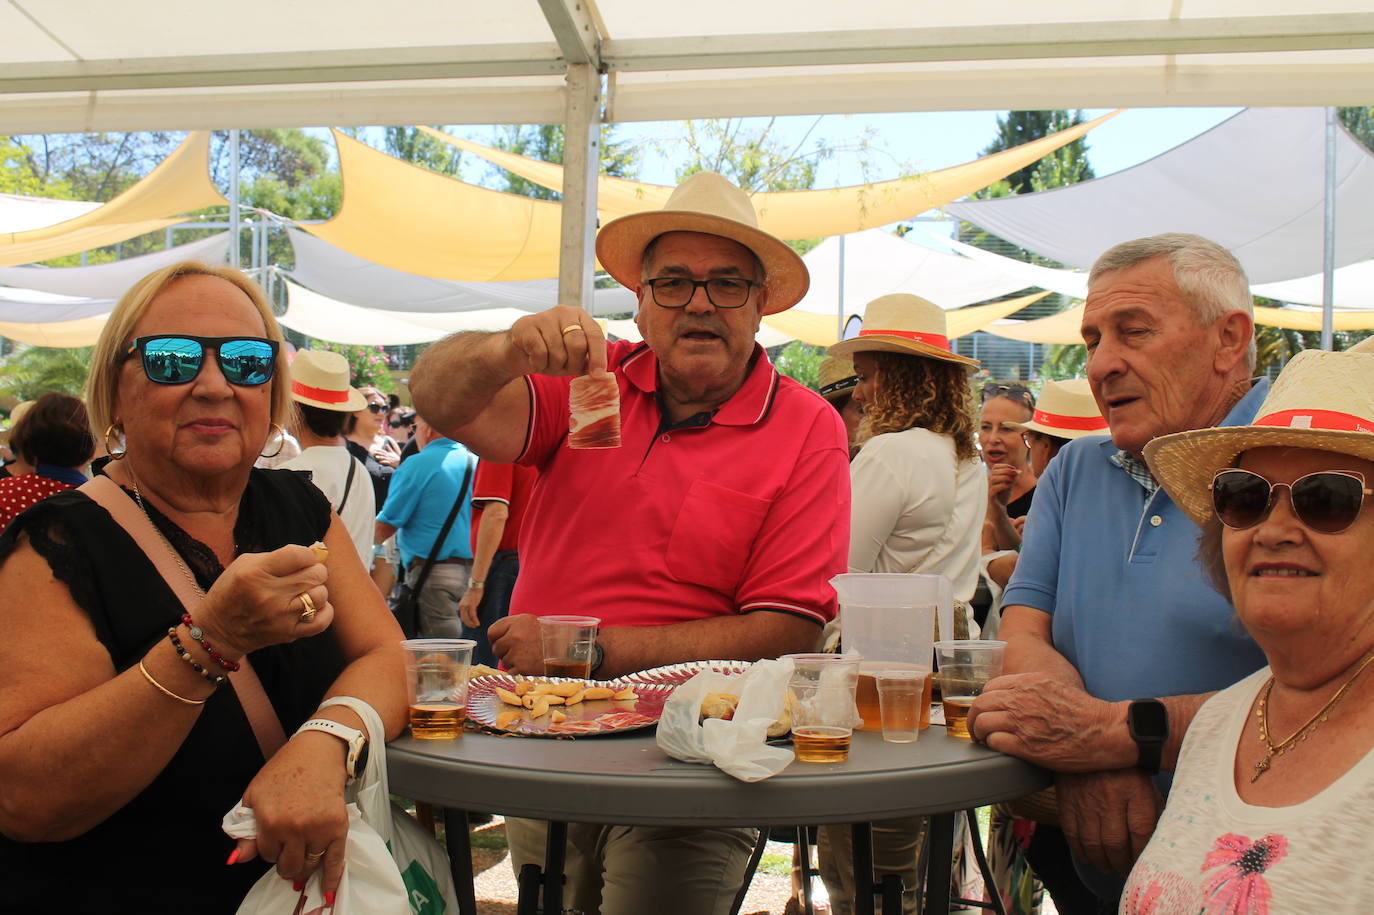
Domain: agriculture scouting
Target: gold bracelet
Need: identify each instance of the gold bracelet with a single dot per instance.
(165, 691)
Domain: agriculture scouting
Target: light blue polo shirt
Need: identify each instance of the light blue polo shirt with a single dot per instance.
(1117, 568)
(420, 497)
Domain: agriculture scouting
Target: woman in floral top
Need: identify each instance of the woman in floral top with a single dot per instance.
(1274, 790)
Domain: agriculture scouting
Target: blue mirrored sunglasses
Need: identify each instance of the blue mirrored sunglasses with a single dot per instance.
(177, 358)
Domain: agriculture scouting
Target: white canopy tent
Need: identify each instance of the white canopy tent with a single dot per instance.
(74, 66)
(111, 280)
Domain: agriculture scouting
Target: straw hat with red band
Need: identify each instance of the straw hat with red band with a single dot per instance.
(319, 378)
(1066, 409)
(901, 323)
(709, 204)
(1321, 400)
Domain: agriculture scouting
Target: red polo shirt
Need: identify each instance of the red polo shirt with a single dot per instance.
(740, 510)
(508, 483)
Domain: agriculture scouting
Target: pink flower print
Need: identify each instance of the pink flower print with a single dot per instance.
(1239, 887)
(1143, 900)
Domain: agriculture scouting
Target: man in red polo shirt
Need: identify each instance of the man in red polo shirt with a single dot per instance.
(710, 533)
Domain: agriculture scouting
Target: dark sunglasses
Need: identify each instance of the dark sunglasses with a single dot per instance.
(377, 407)
(402, 424)
(1328, 501)
(177, 358)
(1013, 391)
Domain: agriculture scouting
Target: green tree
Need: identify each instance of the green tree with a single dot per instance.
(1066, 165)
(414, 145)
(801, 362)
(545, 142)
(1360, 122)
(32, 371)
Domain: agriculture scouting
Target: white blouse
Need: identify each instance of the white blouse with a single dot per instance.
(917, 508)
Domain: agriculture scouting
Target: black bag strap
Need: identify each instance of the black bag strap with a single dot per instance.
(443, 532)
(348, 483)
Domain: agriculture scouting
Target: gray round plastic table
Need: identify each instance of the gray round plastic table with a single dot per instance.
(627, 779)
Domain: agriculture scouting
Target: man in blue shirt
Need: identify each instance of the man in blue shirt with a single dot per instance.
(421, 495)
(1114, 635)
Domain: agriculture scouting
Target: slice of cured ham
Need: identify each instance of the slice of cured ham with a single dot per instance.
(594, 407)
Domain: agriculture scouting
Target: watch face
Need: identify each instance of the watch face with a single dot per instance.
(1149, 720)
(360, 766)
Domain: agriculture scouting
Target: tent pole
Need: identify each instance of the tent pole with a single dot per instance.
(581, 167)
(234, 226)
(839, 333)
(1329, 236)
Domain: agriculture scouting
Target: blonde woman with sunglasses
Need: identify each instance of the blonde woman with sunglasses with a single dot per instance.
(122, 741)
(1274, 788)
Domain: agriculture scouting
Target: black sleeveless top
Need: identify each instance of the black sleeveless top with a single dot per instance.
(165, 851)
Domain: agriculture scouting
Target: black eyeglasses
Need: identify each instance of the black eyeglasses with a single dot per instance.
(1328, 501)
(177, 358)
(721, 291)
(1014, 391)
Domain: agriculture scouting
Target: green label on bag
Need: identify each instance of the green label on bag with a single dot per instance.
(423, 892)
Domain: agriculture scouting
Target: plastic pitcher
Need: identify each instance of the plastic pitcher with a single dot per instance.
(889, 619)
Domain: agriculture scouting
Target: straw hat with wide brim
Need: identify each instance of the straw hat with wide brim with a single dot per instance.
(16, 414)
(1323, 401)
(319, 378)
(706, 203)
(901, 323)
(837, 378)
(1066, 409)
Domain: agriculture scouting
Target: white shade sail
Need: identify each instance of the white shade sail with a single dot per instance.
(20, 214)
(113, 279)
(1253, 183)
(338, 274)
(141, 64)
(329, 319)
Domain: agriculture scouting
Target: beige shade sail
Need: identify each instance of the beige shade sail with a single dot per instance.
(180, 184)
(965, 321)
(80, 332)
(812, 213)
(1063, 327)
(404, 217)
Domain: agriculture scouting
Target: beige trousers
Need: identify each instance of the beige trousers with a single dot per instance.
(641, 870)
(897, 846)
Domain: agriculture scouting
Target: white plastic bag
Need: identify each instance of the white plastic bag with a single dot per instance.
(737, 747)
(370, 884)
(391, 865)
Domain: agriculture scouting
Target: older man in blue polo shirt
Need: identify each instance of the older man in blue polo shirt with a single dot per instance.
(1114, 636)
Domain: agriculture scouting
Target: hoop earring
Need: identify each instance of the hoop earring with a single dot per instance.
(281, 441)
(118, 453)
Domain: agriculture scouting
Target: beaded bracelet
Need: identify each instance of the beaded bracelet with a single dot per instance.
(199, 635)
(213, 679)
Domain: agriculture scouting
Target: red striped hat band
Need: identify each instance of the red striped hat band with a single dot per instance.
(320, 394)
(939, 341)
(1064, 421)
(1317, 419)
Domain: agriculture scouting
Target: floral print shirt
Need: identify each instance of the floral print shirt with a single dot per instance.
(1213, 854)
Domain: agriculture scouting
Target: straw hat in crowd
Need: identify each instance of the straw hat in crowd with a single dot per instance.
(319, 378)
(1066, 409)
(706, 203)
(1322, 400)
(901, 323)
(837, 378)
(16, 414)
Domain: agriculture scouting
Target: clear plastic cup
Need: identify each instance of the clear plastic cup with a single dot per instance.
(824, 715)
(900, 695)
(437, 677)
(569, 644)
(966, 666)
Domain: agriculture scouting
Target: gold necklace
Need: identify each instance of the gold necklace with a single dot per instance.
(1273, 750)
(181, 563)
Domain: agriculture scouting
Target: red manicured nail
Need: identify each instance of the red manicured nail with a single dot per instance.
(233, 857)
(298, 885)
(329, 899)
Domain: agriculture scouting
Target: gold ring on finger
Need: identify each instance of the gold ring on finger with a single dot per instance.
(570, 328)
(308, 613)
(314, 856)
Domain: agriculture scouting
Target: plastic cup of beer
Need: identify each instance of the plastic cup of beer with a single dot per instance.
(966, 666)
(823, 711)
(900, 695)
(569, 644)
(437, 675)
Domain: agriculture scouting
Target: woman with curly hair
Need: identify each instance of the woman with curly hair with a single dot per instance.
(919, 497)
(919, 490)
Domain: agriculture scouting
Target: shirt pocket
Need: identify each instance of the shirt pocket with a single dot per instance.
(713, 534)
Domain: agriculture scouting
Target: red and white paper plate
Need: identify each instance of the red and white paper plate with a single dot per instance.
(597, 718)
